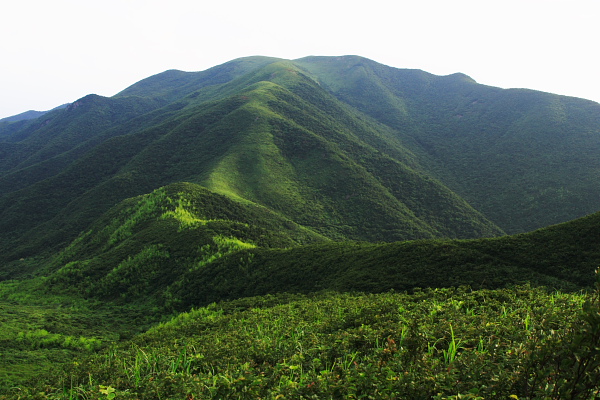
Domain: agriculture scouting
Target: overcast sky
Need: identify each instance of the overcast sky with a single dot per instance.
(54, 52)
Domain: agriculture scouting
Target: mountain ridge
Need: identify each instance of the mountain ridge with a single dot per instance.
(30, 114)
(435, 130)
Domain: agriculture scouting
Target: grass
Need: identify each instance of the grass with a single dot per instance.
(431, 344)
(184, 246)
(39, 333)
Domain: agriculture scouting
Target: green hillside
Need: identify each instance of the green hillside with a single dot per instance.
(183, 246)
(284, 143)
(434, 344)
(83, 325)
(560, 257)
(525, 159)
(49, 147)
(352, 148)
(146, 243)
(327, 227)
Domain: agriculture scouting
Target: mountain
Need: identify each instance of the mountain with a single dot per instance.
(523, 158)
(343, 146)
(31, 114)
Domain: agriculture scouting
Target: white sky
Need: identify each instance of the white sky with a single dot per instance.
(54, 52)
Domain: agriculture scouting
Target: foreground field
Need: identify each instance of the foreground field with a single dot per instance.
(444, 343)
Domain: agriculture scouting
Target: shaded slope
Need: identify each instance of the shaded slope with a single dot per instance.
(24, 116)
(525, 159)
(46, 146)
(564, 256)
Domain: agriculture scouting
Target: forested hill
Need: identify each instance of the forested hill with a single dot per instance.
(183, 246)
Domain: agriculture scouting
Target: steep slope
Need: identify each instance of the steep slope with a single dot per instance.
(525, 159)
(315, 158)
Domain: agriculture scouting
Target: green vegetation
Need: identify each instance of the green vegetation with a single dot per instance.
(83, 322)
(182, 247)
(344, 146)
(442, 344)
(524, 159)
(317, 228)
(40, 333)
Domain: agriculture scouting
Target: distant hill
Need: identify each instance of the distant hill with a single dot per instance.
(31, 114)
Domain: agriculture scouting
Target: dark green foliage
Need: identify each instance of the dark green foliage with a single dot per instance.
(561, 257)
(525, 159)
(31, 114)
(61, 131)
(183, 246)
(38, 333)
(25, 116)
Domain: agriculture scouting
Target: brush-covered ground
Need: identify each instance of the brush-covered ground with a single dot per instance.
(187, 294)
(450, 343)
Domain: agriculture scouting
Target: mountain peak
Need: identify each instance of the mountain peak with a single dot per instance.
(460, 77)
